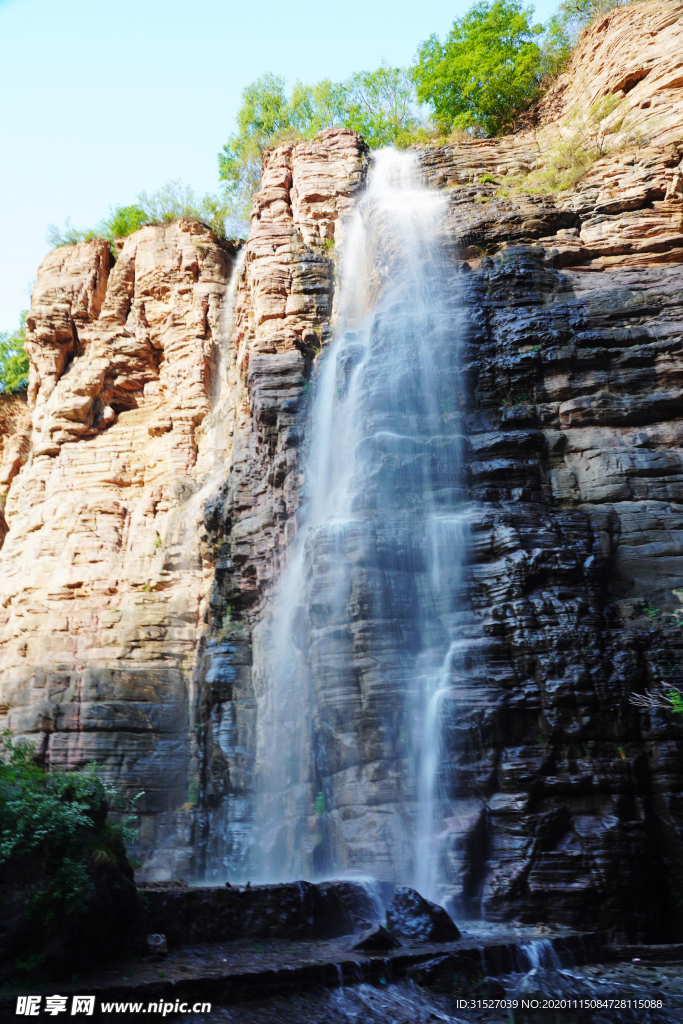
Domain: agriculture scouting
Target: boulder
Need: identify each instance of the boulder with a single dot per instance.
(361, 905)
(375, 938)
(412, 918)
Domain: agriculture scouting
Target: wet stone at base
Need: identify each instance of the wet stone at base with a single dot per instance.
(415, 919)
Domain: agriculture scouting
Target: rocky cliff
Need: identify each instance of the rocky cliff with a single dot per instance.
(150, 378)
(101, 584)
(155, 481)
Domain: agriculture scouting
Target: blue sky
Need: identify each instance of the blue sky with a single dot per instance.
(101, 101)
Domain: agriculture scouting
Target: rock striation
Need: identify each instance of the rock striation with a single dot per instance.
(150, 377)
(100, 588)
(565, 798)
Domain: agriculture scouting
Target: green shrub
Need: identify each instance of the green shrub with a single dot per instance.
(124, 220)
(167, 204)
(676, 701)
(381, 107)
(54, 840)
(14, 359)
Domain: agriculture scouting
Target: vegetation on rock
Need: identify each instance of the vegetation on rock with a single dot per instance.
(489, 67)
(167, 204)
(14, 358)
(494, 63)
(65, 884)
(380, 105)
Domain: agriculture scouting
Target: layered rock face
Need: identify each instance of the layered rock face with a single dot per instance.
(150, 383)
(566, 798)
(563, 798)
(101, 585)
(283, 319)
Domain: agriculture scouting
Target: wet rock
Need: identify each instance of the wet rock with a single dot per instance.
(157, 945)
(377, 938)
(360, 903)
(456, 975)
(542, 993)
(293, 910)
(415, 919)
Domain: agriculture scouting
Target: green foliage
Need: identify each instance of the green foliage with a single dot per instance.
(676, 700)
(14, 358)
(123, 221)
(173, 201)
(55, 821)
(264, 115)
(320, 804)
(488, 69)
(380, 105)
(650, 610)
(68, 235)
(591, 136)
(177, 200)
(314, 107)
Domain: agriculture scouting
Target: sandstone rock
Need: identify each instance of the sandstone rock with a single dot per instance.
(151, 520)
(414, 919)
(630, 52)
(98, 514)
(14, 446)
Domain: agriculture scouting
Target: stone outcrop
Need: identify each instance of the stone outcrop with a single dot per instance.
(283, 319)
(565, 804)
(292, 910)
(15, 424)
(100, 588)
(414, 919)
(632, 55)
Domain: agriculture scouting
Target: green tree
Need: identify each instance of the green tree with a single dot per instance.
(314, 107)
(124, 220)
(167, 204)
(488, 69)
(264, 114)
(381, 106)
(14, 359)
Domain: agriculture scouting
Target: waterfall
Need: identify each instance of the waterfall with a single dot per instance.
(354, 671)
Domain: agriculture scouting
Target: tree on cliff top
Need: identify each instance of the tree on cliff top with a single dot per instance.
(380, 105)
(14, 359)
(488, 69)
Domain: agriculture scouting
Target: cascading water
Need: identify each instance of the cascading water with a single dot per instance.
(355, 673)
